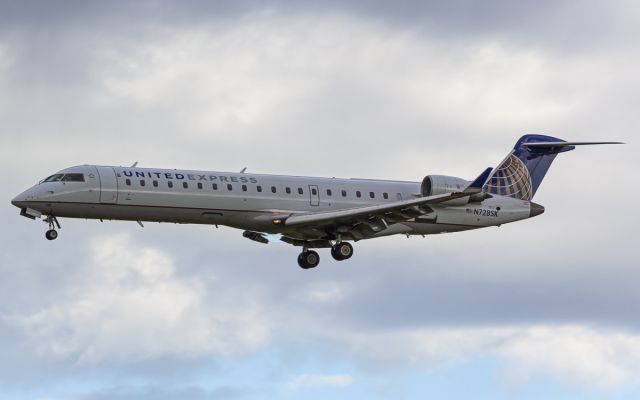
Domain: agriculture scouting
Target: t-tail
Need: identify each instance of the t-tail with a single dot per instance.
(520, 174)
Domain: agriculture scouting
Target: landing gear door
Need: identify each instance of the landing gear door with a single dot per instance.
(108, 185)
(314, 195)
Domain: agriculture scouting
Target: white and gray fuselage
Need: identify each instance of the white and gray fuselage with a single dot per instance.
(248, 201)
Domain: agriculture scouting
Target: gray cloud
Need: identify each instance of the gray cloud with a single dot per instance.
(551, 22)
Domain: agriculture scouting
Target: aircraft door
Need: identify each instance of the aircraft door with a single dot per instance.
(314, 195)
(108, 185)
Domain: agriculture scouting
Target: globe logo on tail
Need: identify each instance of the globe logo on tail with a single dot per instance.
(511, 179)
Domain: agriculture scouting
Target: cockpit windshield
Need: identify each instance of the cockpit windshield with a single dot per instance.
(54, 178)
(73, 178)
(65, 178)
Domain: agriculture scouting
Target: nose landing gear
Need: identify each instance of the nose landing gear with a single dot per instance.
(52, 221)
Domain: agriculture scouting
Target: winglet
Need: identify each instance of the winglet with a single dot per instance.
(478, 183)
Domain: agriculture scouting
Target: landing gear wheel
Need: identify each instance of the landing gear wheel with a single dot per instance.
(308, 259)
(341, 251)
(51, 234)
(334, 254)
(52, 221)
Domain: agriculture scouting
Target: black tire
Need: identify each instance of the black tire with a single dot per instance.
(344, 250)
(308, 259)
(334, 253)
(301, 261)
(51, 234)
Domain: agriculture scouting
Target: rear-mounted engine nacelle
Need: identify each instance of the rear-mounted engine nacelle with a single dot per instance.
(433, 185)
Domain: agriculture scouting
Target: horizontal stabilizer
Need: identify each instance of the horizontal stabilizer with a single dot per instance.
(563, 144)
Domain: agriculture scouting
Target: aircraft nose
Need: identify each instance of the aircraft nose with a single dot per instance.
(18, 201)
(536, 209)
(21, 200)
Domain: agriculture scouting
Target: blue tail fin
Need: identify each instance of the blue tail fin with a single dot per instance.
(521, 173)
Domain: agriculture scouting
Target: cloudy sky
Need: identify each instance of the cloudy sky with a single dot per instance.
(544, 308)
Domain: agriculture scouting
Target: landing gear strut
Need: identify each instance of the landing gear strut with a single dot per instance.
(52, 234)
(341, 251)
(308, 259)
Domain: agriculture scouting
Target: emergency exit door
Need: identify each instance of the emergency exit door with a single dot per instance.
(314, 195)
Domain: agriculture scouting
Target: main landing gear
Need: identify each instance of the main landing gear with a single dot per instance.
(341, 251)
(310, 259)
(52, 221)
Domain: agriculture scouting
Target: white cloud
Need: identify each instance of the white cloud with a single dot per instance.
(131, 305)
(323, 293)
(304, 381)
(271, 84)
(269, 68)
(587, 357)
(575, 354)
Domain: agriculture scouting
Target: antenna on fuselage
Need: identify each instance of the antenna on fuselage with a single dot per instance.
(243, 169)
(134, 164)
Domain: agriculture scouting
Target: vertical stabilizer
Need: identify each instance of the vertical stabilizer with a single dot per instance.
(520, 174)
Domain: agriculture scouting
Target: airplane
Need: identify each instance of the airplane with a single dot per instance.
(307, 212)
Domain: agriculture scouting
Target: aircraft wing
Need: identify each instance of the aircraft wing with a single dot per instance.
(365, 221)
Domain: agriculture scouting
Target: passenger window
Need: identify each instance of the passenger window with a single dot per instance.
(229, 187)
(328, 192)
(126, 182)
(199, 185)
(244, 188)
(314, 191)
(142, 182)
(372, 195)
(185, 185)
(288, 190)
(344, 193)
(259, 189)
(300, 191)
(214, 186)
(358, 194)
(170, 184)
(155, 183)
(273, 189)
(385, 195)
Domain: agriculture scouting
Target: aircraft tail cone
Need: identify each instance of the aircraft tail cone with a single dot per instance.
(536, 209)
